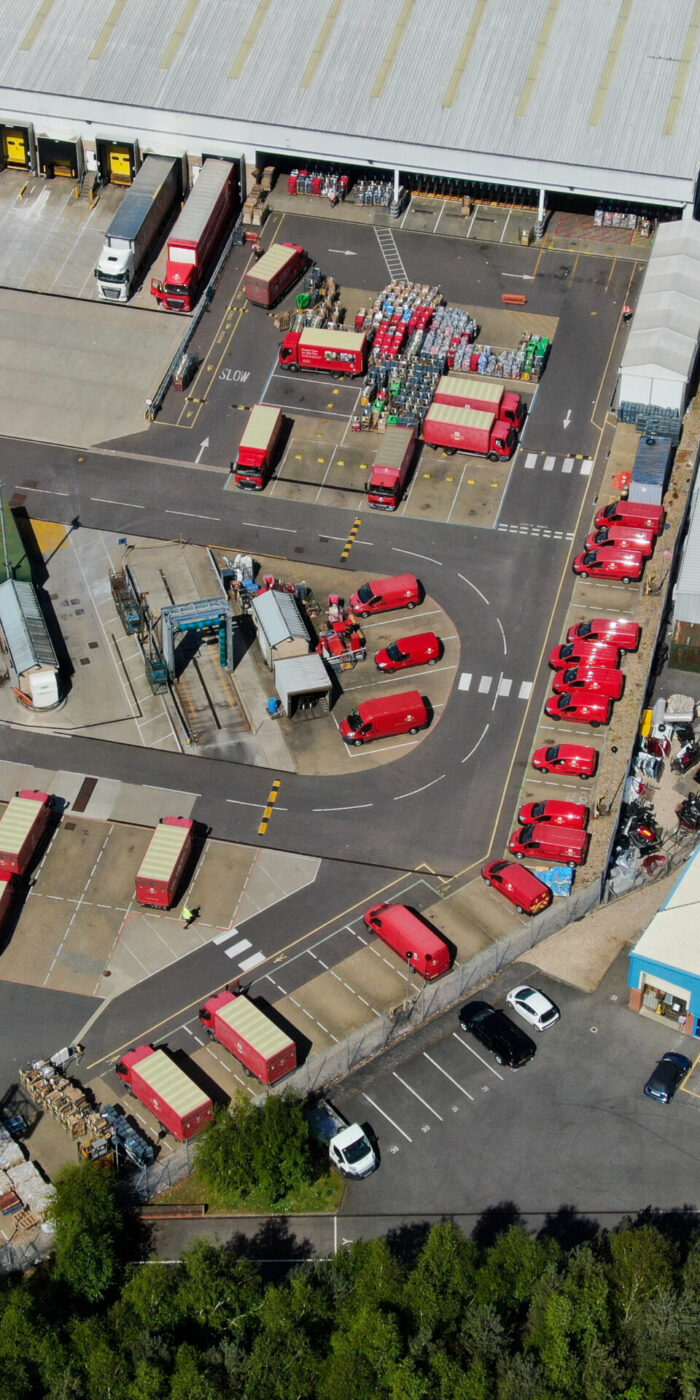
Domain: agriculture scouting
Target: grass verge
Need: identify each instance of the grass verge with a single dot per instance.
(324, 1194)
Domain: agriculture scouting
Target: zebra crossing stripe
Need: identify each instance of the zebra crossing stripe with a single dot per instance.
(505, 687)
(568, 464)
(237, 948)
(228, 933)
(530, 461)
(587, 466)
(548, 465)
(485, 685)
(465, 680)
(525, 690)
(252, 962)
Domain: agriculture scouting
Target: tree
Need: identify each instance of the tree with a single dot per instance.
(512, 1271)
(88, 1229)
(443, 1281)
(262, 1150)
(641, 1263)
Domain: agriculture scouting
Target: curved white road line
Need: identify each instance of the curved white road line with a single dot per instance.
(356, 808)
(505, 648)
(476, 590)
(415, 791)
(483, 734)
(414, 555)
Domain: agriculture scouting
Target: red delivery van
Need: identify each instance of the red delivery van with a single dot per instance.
(568, 845)
(258, 448)
(380, 719)
(410, 937)
(391, 467)
(618, 631)
(336, 351)
(631, 513)
(382, 594)
(250, 1035)
(22, 826)
(161, 869)
(623, 537)
(267, 281)
(175, 1100)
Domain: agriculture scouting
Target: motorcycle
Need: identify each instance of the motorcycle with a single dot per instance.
(689, 812)
(686, 757)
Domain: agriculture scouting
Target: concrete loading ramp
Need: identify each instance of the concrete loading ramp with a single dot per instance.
(78, 372)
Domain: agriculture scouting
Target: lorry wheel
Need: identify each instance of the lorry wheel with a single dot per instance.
(293, 369)
(336, 374)
(494, 457)
(450, 451)
(357, 743)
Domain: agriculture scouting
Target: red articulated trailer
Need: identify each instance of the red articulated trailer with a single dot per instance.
(175, 1100)
(7, 890)
(22, 826)
(336, 351)
(267, 281)
(469, 430)
(250, 1035)
(258, 448)
(161, 869)
(485, 394)
(197, 236)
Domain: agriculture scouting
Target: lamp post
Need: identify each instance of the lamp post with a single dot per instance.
(409, 969)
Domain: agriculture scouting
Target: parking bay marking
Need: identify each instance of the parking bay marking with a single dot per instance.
(417, 1096)
(485, 1063)
(457, 1085)
(388, 1119)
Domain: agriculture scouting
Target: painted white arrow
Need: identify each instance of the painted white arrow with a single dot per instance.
(346, 252)
(520, 276)
(204, 444)
(566, 421)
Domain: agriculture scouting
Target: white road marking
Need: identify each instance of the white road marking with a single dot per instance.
(388, 1119)
(237, 948)
(548, 465)
(465, 680)
(42, 491)
(567, 465)
(476, 590)
(414, 555)
(192, 515)
(432, 783)
(254, 525)
(105, 501)
(418, 1096)
(485, 1063)
(525, 690)
(252, 962)
(530, 461)
(475, 746)
(356, 808)
(587, 467)
(504, 687)
(503, 636)
(448, 1076)
(485, 685)
(231, 933)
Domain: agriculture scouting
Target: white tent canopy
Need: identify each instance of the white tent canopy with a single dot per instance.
(661, 351)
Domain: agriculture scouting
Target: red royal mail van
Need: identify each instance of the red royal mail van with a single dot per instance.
(378, 719)
(544, 841)
(410, 937)
(380, 594)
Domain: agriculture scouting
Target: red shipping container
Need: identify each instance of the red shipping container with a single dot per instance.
(250, 1035)
(175, 1100)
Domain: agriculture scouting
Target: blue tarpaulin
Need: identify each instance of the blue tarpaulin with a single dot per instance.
(560, 878)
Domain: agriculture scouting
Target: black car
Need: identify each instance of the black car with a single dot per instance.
(669, 1073)
(498, 1033)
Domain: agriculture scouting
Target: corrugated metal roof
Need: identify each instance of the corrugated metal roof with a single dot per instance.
(581, 81)
(171, 1084)
(465, 417)
(201, 200)
(249, 1022)
(672, 936)
(301, 675)
(163, 852)
(278, 617)
(22, 622)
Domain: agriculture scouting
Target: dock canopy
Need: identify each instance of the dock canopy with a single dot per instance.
(33, 662)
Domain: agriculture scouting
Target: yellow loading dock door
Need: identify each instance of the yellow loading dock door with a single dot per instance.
(117, 161)
(18, 147)
(60, 158)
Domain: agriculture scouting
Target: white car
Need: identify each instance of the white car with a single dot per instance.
(534, 1007)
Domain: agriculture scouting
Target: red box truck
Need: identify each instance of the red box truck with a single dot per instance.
(267, 280)
(197, 236)
(161, 869)
(7, 890)
(336, 351)
(469, 430)
(22, 826)
(250, 1035)
(390, 470)
(175, 1100)
(485, 394)
(410, 937)
(258, 448)
(379, 719)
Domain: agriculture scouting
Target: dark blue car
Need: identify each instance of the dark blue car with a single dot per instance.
(669, 1073)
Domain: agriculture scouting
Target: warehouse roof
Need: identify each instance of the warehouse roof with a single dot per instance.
(580, 82)
(22, 622)
(673, 936)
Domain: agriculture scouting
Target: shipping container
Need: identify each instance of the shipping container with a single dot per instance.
(163, 865)
(651, 471)
(250, 1035)
(22, 826)
(268, 280)
(175, 1100)
(469, 430)
(259, 447)
(335, 351)
(391, 467)
(198, 236)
